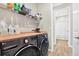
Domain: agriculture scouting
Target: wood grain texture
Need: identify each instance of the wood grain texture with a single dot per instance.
(5, 38)
(61, 49)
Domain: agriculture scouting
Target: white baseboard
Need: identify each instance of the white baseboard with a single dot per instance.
(70, 45)
(50, 50)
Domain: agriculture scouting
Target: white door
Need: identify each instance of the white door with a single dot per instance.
(61, 17)
(62, 27)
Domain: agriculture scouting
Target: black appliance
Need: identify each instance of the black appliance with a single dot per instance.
(29, 46)
(43, 44)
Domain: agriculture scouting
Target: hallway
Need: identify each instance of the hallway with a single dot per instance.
(61, 49)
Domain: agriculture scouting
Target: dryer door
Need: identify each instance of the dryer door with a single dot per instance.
(28, 51)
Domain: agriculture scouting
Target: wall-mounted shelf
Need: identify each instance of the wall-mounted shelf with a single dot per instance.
(14, 11)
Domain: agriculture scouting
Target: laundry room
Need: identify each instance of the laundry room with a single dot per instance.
(39, 29)
(25, 29)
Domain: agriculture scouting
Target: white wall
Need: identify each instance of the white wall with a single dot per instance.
(25, 23)
(75, 19)
(45, 24)
(75, 28)
(32, 6)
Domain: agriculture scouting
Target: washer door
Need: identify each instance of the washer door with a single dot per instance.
(28, 51)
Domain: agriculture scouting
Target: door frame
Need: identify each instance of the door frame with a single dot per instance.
(70, 24)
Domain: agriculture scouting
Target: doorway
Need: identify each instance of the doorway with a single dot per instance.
(62, 15)
(63, 23)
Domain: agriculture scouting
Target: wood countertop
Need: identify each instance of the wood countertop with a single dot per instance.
(4, 38)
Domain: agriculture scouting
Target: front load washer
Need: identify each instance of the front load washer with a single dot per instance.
(27, 46)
